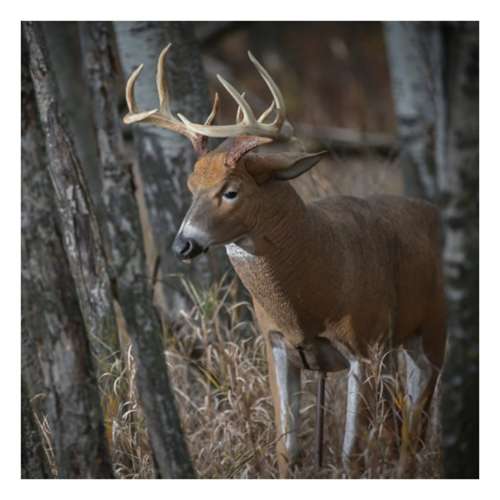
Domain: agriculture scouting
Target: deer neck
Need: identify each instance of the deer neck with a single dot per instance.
(277, 224)
(273, 259)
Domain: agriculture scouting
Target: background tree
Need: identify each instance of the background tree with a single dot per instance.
(63, 48)
(81, 233)
(435, 76)
(165, 158)
(51, 310)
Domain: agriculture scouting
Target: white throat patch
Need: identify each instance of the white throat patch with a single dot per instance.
(234, 251)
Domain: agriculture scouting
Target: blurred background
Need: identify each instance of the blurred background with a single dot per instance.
(104, 301)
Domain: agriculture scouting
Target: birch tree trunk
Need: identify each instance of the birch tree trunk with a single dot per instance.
(51, 312)
(81, 237)
(415, 53)
(124, 250)
(165, 158)
(435, 77)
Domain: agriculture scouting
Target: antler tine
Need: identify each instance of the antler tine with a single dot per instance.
(215, 109)
(275, 91)
(161, 83)
(267, 112)
(248, 115)
(134, 115)
(129, 89)
(239, 113)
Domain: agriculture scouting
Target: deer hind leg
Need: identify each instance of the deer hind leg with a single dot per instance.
(421, 377)
(285, 388)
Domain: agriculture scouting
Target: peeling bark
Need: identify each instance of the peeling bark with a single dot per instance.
(51, 312)
(81, 237)
(124, 250)
(166, 158)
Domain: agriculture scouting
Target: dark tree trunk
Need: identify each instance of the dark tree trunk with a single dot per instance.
(435, 76)
(81, 237)
(125, 254)
(33, 162)
(459, 190)
(50, 309)
(166, 158)
(34, 464)
(62, 45)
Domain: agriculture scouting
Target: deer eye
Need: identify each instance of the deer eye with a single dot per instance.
(230, 195)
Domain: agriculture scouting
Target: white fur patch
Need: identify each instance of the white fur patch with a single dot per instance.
(236, 252)
(188, 230)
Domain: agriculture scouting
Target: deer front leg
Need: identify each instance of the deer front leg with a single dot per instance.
(353, 412)
(285, 388)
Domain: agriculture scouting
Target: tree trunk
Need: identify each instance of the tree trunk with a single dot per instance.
(81, 237)
(62, 45)
(33, 161)
(34, 464)
(50, 309)
(415, 55)
(166, 158)
(435, 76)
(125, 254)
(459, 189)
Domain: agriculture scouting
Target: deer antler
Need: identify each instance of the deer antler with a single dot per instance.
(162, 116)
(246, 122)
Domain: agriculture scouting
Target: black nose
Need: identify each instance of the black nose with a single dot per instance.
(186, 248)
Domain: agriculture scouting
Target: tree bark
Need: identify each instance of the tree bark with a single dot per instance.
(81, 237)
(458, 183)
(62, 45)
(50, 310)
(166, 158)
(415, 54)
(435, 76)
(125, 254)
(33, 160)
(34, 464)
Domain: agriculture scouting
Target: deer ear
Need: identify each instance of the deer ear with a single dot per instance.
(280, 166)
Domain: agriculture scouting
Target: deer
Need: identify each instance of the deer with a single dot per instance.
(328, 278)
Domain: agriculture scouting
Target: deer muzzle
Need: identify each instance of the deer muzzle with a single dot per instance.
(186, 248)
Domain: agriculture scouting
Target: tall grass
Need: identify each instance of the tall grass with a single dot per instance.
(217, 367)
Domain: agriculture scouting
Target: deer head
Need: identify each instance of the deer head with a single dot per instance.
(226, 183)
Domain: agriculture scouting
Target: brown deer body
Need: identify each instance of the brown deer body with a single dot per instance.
(328, 279)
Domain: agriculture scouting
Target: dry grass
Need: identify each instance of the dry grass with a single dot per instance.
(217, 368)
